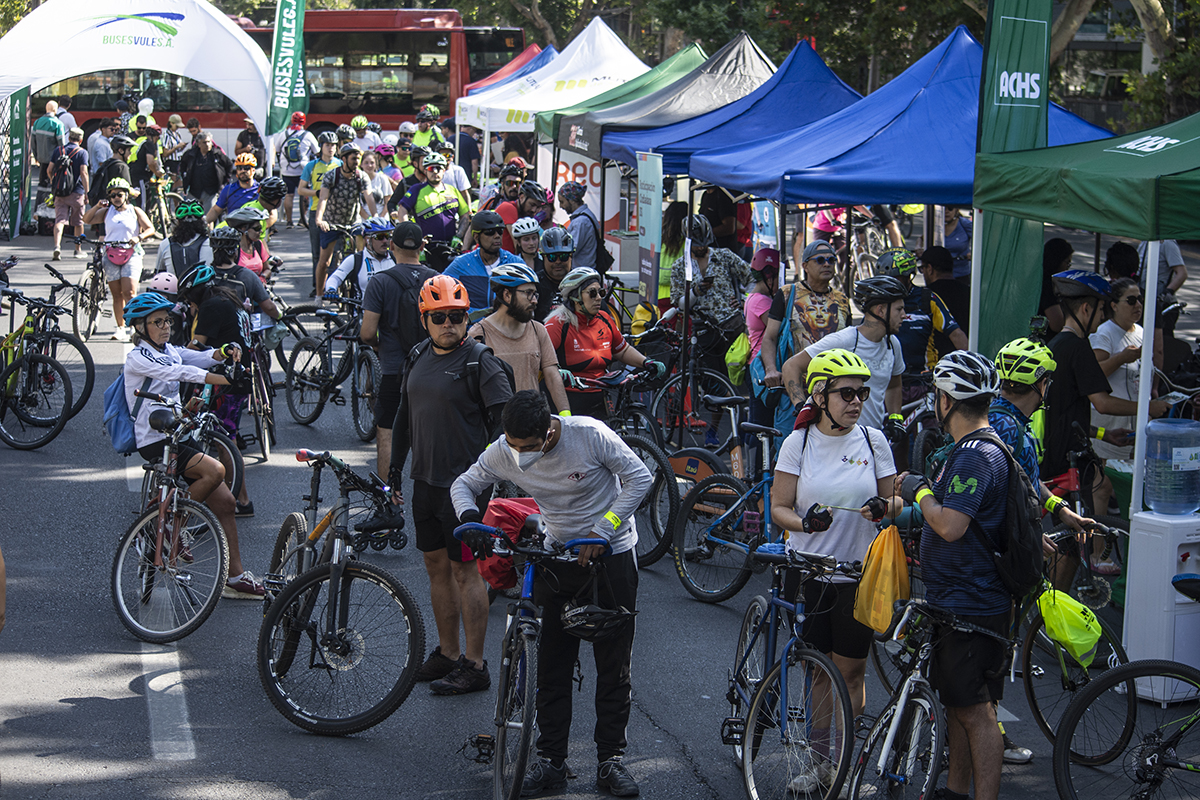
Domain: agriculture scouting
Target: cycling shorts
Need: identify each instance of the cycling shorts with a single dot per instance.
(387, 402)
(969, 668)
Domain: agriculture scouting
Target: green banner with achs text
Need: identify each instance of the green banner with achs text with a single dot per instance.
(1013, 114)
(18, 157)
(289, 90)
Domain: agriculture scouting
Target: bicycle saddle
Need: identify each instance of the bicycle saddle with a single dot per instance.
(750, 427)
(713, 402)
(533, 528)
(163, 419)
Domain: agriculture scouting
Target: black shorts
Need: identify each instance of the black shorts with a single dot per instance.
(387, 402)
(435, 521)
(183, 453)
(969, 668)
(829, 623)
(883, 214)
(292, 182)
(588, 404)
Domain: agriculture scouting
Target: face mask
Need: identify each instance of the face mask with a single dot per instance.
(526, 460)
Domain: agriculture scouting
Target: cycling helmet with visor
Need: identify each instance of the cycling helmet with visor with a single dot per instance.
(575, 281)
(1081, 283)
(836, 363)
(1024, 361)
(877, 290)
(146, 304)
(487, 221)
(199, 276)
(327, 137)
(700, 231)
(510, 276)
(897, 262)
(558, 241)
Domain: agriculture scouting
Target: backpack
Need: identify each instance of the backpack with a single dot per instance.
(1019, 559)
(407, 327)
(63, 183)
(604, 259)
(291, 147)
(226, 277)
(118, 420)
(184, 258)
(473, 365)
(104, 173)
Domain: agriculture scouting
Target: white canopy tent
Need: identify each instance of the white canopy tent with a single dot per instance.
(193, 38)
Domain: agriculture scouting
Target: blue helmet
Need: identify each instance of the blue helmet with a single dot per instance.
(511, 276)
(378, 225)
(146, 304)
(1081, 283)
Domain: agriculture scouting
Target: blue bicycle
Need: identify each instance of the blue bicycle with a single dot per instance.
(791, 722)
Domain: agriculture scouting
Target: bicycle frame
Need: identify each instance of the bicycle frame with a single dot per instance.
(751, 526)
(776, 606)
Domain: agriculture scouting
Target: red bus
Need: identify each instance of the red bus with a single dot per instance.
(382, 63)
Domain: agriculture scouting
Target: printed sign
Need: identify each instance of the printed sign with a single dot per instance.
(649, 216)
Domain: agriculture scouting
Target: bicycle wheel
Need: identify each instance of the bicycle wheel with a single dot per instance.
(260, 409)
(297, 320)
(288, 559)
(222, 448)
(799, 733)
(892, 660)
(748, 665)
(308, 381)
(85, 305)
(1052, 677)
(637, 420)
(514, 712)
(166, 603)
(682, 417)
(35, 401)
(365, 390)
(1132, 733)
(711, 541)
(340, 678)
(75, 358)
(925, 443)
(655, 517)
(911, 767)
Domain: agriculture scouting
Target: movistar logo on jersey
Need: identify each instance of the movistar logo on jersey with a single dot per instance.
(1020, 72)
(1147, 145)
(161, 32)
(958, 487)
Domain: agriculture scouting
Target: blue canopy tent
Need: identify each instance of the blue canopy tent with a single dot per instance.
(912, 141)
(537, 62)
(803, 90)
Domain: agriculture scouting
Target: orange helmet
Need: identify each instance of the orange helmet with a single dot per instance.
(245, 160)
(443, 293)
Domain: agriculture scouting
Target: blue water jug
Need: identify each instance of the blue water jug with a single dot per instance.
(1173, 466)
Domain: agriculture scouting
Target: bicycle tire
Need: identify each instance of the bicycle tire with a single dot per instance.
(709, 570)
(1047, 689)
(368, 375)
(222, 448)
(515, 703)
(911, 750)
(73, 354)
(637, 420)
(293, 320)
(183, 603)
(84, 309)
(889, 669)
(35, 401)
(260, 408)
(345, 363)
(925, 443)
(333, 695)
(287, 557)
(655, 517)
(307, 390)
(773, 755)
(674, 412)
(747, 674)
(1127, 743)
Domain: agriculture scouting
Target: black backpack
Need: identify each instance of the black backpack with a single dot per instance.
(406, 326)
(1019, 559)
(113, 168)
(474, 368)
(63, 184)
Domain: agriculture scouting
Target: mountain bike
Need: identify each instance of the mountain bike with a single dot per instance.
(91, 296)
(865, 241)
(676, 407)
(311, 383)
(509, 750)
(207, 435)
(160, 204)
(625, 413)
(35, 389)
(340, 643)
(655, 517)
(261, 403)
(172, 563)
(778, 705)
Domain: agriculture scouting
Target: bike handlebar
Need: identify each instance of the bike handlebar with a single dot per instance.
(553, 550)
(58, 275)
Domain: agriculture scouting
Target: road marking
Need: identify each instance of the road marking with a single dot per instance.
(133, 465)
(166, 702)
(1004, 715)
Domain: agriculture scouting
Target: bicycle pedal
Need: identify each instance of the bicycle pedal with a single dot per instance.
(274, 582)
(752, 522)
(485, 748)
(733, 731)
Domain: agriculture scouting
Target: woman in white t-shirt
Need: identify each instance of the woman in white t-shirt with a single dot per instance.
(834, 462)
(1118, 347)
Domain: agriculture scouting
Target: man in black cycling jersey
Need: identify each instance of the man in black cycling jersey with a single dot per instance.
(925, 316)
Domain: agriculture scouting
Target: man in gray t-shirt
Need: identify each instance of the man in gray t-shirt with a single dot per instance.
(588, 484)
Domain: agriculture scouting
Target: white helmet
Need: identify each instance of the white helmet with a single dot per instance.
(408, 128)
(525, 226)
(391, 138)
(963, 374)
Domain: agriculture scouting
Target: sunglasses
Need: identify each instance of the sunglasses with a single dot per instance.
(848, 393)
(245, 169)
(455, 317)
(382, 237)
(823, 260)
(405, 149)
(116, 194)
(1135, 299)
(492, 232)
(162, 324)
(511, 184)
(594, 293)
(553, 257)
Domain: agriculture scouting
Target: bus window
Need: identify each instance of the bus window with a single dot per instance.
(489, 49)
(377, 73)
(196, 96)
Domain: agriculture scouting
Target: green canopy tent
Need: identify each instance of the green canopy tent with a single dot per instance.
(664, 74)
(1141, 185)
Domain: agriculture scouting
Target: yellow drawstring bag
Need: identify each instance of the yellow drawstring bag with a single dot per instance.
(1071, 624)
(884, 580)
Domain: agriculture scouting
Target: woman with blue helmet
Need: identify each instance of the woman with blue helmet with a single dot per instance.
(515, 337)
(376, 256)
(156, 366)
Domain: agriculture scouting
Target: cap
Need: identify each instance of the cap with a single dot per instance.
(939, 258)
(816, 248)
(174, 119)
(408, 236)
(247, 119)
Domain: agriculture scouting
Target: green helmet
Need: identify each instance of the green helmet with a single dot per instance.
(359, 123)
(1024, 361)
(836, 363)
(118, 183)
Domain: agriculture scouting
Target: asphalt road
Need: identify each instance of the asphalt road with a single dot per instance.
(87, 710)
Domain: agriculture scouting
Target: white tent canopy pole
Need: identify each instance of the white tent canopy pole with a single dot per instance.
(976, 280)
(1145, 375)
(192, 38)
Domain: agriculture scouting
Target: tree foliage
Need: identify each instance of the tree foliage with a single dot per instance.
(1172, 91)
(11, 12)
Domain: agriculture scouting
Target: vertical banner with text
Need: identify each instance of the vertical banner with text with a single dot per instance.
(1013, 114)
(18, 157)
(649, 219)
(289, 89)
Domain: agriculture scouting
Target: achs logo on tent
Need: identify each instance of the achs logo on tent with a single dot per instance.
(1147, 145)
(160, 21)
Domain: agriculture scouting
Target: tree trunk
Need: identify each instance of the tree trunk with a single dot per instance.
(531, 13)
(1157, 26)
(1067, 25)
(978, 6)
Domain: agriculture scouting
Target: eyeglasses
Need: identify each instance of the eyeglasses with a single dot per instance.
(823, 260)
(594, 293)
(161, 324)
(554, 257)
(440, 317)
(1135, 299)
(848, 393)
(530, 293)
(492, 232)
(245, 169)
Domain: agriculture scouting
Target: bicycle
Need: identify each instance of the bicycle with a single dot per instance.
(865, 241)
(310, 383)
(675, 407)
(721, 523)
(625, 414)
(776, 703)
(160, 205)
(262, 391)
(91, 294)
(509, 750)
(208, 435)
(356, 630)
(1133, 732)
(172, 563)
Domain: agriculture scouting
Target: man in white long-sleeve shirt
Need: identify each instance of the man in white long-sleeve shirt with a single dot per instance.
(588, 484)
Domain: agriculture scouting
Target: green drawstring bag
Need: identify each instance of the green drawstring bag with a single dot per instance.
(1071, 624)
(736, 358)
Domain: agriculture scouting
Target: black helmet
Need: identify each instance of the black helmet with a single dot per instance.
(511, 171)
(534, 191)
(879, 289)
(425, 114)
(374, 127)
(699, 229)
(585, 617)
(416, 156)
(245, 217)
(486, 221)
(344, 132)
(121, 140)
(225, 241)
(272, 189)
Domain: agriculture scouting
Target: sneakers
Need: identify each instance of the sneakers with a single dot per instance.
(614, 778)
(78, 253)
(1105, 567)
(1014, 754)
(816, 778)
(244, 587)
(543, 777)
(463, 679)
(56, 255)
(247, 510)
(120, 335)
(435, 667)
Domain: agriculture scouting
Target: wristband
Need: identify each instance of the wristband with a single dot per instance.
(564, 413)
(1100, 433)
(613, 518)
(922, 494)
(1053, 503)
(897, 417)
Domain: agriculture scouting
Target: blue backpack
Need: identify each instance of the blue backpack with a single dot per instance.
(118, 421)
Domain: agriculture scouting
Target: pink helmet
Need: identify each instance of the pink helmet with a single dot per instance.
(164, 283)
(385, 150)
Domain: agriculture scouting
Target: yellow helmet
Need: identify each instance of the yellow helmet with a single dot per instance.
(836, 363)
(1024, 361)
